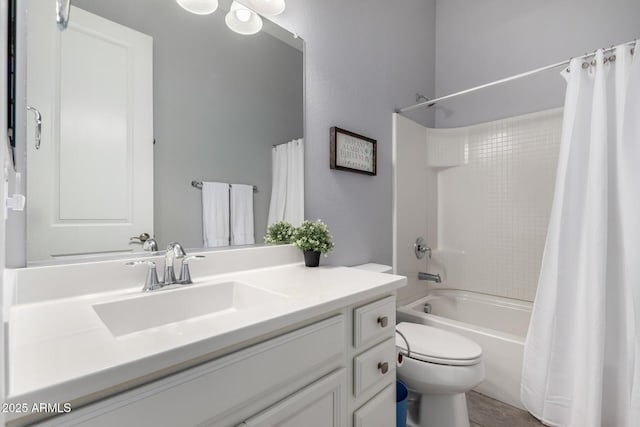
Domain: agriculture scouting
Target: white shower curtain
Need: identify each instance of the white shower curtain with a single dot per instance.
(582, 354)
(287, 187)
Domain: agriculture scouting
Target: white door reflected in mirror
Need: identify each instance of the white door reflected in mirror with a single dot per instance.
(93, 176)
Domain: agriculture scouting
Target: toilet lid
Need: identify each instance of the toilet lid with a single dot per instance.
(436, 345)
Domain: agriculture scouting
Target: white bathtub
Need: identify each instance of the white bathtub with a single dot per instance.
(498, 324)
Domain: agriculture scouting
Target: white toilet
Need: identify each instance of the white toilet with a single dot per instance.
(438, 368)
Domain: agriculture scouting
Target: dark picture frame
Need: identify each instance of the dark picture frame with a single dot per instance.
(352, 152)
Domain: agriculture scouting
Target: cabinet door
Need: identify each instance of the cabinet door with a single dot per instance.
(379, 411)
(209, 393)
(322, 404)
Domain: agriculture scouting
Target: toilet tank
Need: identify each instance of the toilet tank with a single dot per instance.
(378, 268)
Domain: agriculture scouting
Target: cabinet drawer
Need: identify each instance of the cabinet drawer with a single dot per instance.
(376, 366)
(375, 320)
(380, 411)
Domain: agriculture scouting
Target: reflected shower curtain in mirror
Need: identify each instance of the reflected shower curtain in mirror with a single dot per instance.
(287, 187)
(582, 354)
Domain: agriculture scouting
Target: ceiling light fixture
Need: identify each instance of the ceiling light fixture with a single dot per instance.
(199, 7)
(267, 7)
(243, 20)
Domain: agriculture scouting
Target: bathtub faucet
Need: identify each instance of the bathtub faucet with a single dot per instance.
(428, 276)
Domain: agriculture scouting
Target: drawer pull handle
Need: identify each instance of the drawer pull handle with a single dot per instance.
(383, 321)
(383, 367)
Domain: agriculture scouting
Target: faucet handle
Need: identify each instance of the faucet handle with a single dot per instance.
(421, 249)
(151, 281)
(185, 275)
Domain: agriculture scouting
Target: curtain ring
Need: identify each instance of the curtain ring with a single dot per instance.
(568, 69)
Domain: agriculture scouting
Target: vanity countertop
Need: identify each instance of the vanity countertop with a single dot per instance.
(61, 351)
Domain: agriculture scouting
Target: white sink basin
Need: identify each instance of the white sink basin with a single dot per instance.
(163, 307)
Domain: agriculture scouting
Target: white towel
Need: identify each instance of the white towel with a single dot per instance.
(242, 214)
(215, 214)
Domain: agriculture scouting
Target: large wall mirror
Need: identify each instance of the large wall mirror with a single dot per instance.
(138, 99)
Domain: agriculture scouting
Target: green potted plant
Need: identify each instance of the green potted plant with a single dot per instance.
(313, 239)
(279, 233)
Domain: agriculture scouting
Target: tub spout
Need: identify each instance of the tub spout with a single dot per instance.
(428, 276)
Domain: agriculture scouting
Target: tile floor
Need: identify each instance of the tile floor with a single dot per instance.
(487, 412)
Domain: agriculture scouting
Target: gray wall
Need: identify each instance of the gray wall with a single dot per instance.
(363, 59)
(481, 41)
(221, 100)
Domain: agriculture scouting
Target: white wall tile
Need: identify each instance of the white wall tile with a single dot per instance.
(447, 148)
(494, 210)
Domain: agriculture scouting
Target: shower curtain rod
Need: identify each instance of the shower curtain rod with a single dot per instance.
(432, 102)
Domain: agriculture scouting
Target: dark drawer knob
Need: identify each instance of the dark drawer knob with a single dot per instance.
(383, 321)
(383, 367)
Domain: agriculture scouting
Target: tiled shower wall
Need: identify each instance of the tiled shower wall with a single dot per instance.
(495, 184)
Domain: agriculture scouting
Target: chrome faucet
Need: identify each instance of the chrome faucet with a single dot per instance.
(174, 251)
(421, 249)
(431, 277)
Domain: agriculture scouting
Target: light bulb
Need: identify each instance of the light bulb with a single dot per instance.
(199, 7)
(243, 15)
(243, 20)
(267, 7)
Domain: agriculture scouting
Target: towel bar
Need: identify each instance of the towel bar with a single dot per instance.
(198, 184)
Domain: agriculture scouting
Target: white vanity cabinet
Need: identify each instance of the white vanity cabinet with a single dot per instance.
(338, 371)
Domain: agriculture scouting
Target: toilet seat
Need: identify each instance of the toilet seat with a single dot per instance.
(434, 345)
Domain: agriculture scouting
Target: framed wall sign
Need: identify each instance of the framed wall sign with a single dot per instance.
(352, 152)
